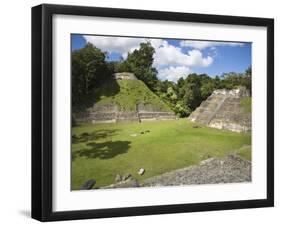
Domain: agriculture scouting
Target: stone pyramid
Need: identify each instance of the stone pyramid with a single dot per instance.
(223, 110)
(111, 106)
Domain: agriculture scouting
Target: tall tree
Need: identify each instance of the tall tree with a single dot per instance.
(140, 63)
(89, 70)
(248, 79)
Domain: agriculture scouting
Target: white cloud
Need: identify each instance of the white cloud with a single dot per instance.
(172, 73)
(206, 44)
(171, 55)
(196, 58)
(157, 43)
(176, 63)
(120, 45)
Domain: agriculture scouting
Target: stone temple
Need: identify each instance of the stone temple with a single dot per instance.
(110, 113)
(223, 110)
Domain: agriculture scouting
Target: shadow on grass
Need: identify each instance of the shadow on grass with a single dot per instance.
(99, 134)
(104, 150)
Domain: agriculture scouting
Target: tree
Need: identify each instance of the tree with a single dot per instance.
(171, 94)
(187, 94)
(122, 66)
(181, 109)
(191, 91)
(217, 82)
(248, 79)
(248, 71)
(89, 70)
(140, 63)
(180, 82)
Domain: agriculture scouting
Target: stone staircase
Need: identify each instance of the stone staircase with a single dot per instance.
(232, 117)
(222, 110)
(208, 108)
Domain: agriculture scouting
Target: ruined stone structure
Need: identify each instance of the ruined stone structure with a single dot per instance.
(147, 112)
(124, 76)
(109, 113)
(222, 110)
(230, 169)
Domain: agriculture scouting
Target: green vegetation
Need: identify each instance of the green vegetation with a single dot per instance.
(90, 70)
(128, 94)
(187, 94)
(140, 63)
(102, 151)
(246, 104)
(245, 152)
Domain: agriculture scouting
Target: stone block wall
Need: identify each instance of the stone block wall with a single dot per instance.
(124, 76)
(149, 116)
(127, 117)
(109, 113)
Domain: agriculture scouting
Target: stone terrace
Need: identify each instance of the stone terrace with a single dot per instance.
(222, 110)
(109, 113)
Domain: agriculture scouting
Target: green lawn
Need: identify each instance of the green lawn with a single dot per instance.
(245, 152)
(102, 151)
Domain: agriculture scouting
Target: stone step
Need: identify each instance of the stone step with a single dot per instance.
(223, 110)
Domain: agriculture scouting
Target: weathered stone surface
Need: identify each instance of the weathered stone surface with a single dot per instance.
(118, 178)
(129, 183)
(126, 176)
(231, 169)
(88, 184)
(141, 171)
(125, 76)
(222, 110)
(232, 117)
(148, 116)
(111, 114)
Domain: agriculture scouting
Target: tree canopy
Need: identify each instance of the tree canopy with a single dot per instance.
(89, 70)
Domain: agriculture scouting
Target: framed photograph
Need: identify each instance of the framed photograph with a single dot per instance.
(147, 112)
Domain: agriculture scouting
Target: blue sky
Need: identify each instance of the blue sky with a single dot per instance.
(176, 58)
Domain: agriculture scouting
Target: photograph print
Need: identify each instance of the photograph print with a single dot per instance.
(151, 112)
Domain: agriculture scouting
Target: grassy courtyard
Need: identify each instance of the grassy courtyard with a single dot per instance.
(102, 151)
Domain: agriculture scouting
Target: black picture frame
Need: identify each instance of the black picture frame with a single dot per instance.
(42, 111)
